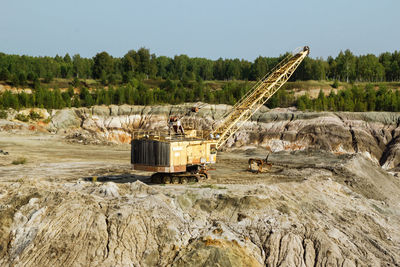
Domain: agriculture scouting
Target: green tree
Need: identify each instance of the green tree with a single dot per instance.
(369, 69)
(259, 68)
(130, 61)
(22, 78)
(348, 100)
(14, 79)
(301, 104)
(4, 74)
(78, 66)
(23, 99)
(58, 99)
(76, 102)
(144, 60)
(370, 97)
(67, 59)
(331, 101)
(163, 67)
(67, 99)
(322, 102)
(48, 77)
(103, 65)
(65, 71)
(120, 96)
(346, 64)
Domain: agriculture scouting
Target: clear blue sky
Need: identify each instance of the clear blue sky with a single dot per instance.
(202, 28)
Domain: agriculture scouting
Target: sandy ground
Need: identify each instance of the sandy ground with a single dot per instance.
(51, 158)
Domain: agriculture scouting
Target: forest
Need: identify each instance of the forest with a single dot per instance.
(183, 79)
(20, 70)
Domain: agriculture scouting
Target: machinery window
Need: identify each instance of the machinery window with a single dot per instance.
(213, 149)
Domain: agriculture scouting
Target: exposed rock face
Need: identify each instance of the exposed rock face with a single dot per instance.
(375, 134)
(316, 218)
(63, 119)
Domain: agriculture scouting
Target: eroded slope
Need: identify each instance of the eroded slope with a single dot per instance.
(333, 211)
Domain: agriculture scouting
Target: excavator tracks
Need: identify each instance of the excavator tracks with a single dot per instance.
(178, 178)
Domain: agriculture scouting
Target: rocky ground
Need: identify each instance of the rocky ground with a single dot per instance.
(329, 199)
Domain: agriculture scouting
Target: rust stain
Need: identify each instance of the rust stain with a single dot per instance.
(293, 147)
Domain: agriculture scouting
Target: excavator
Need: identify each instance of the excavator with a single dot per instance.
(185, 156)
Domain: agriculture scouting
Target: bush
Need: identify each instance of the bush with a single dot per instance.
(335, 84)
(34, 115)
(48, 120)
(19, 161)
(22, 117)
(3, 114)
(75, 82)
(48, 77)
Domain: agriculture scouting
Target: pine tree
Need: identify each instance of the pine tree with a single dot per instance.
(58, 99)
(88, 101)
(4, 74)
(120, 96)
(76, 102)
(301, 105)
(370, 98)
(23, 99)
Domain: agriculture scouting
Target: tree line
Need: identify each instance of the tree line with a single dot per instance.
(133, 93)
(141, 64)
(355, 98)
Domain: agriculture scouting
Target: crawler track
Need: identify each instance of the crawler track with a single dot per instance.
(178, 178)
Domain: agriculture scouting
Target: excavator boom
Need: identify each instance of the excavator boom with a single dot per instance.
(258, 95)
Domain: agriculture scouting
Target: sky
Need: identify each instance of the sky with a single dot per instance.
(202, 28)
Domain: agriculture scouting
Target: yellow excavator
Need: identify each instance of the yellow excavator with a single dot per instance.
(180, 156)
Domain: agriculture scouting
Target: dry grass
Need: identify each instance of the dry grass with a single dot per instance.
(19, 161)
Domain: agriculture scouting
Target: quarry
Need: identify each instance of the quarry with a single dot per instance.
(195, 133)
(331, 198)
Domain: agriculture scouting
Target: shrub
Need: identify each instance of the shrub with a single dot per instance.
(335, 84)
(76, 83)
(3, 114)
(34, 115)
(19, 161)
(48, 120)
(48, 77)
(22, 117)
